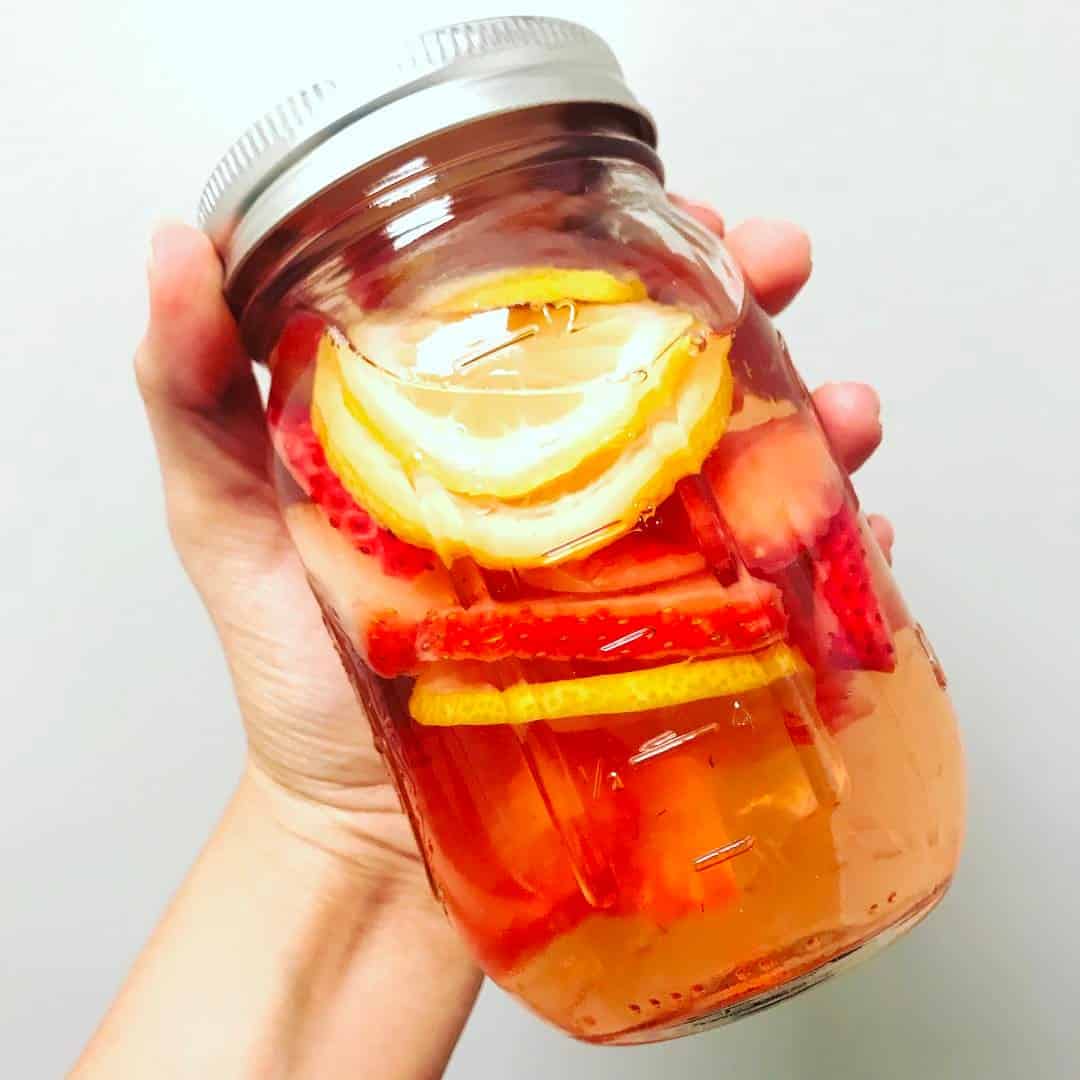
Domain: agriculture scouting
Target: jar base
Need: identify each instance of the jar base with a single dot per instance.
(754, 1002)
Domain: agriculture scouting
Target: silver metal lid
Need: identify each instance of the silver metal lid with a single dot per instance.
(440, 80)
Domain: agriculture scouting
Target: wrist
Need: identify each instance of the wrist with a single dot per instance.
(361, 830)
(281, 956)
(372, 953)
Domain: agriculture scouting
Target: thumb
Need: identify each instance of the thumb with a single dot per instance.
(205, 411)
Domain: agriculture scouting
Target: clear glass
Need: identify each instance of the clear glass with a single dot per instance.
(671, 743)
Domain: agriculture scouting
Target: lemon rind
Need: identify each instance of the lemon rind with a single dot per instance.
(532, 547)
(539, 285)
(603, 695)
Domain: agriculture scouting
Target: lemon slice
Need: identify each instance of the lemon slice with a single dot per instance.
(538, 285)
(506, 401)
(456, 694)
(564, 522)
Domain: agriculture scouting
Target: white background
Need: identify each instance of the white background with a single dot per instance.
(930, 148)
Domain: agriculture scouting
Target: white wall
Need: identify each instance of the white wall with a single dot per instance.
(930, 147)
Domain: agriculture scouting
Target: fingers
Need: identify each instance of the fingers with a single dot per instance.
(851, 415)
(774, 255)
(704, 215)
(201, 398)
(775, 259)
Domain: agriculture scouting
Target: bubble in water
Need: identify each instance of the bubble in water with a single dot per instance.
(740, 715)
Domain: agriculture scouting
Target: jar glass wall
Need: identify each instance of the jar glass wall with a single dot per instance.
(672, 745)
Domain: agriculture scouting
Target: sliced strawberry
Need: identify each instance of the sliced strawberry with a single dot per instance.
(692, 616)
(396, 624)
(291, 362)
(498, 859)
(507, 819)
(397, 620)
(834, 613)
(683, 536)
(709, 527)
(681, 822)
(850, 620)
(302, 453)
(634, 561)
(379, 611)
(840, 701)
(777, 487)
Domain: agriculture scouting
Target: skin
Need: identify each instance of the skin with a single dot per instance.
(305, 942)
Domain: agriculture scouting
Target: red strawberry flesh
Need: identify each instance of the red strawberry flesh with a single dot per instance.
(708, 527)
(302, 453)
(641, 558)
(852, 623)
(777, 487)
(291, 364)
(693, 616)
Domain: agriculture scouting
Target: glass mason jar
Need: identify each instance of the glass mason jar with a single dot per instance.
(672, 745)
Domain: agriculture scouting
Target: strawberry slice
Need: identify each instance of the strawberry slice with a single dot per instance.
(303, 454)
(396, 628)
(782, 497)
(291, 363)
(634, 561)
(840, 700)
(690, 617)
(684, 536)
(683, 822)
(777, 487)
(850, 620)
(709, 527)
(377, 610)
(396, 624)
(494, 848)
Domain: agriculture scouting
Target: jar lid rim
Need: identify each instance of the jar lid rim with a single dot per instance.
(445, 77)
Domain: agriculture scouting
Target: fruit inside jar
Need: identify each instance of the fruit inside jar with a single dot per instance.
(669, 738)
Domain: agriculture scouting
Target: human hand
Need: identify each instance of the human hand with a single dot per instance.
(311, 885)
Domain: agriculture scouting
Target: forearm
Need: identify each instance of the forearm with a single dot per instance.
(277, 959)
